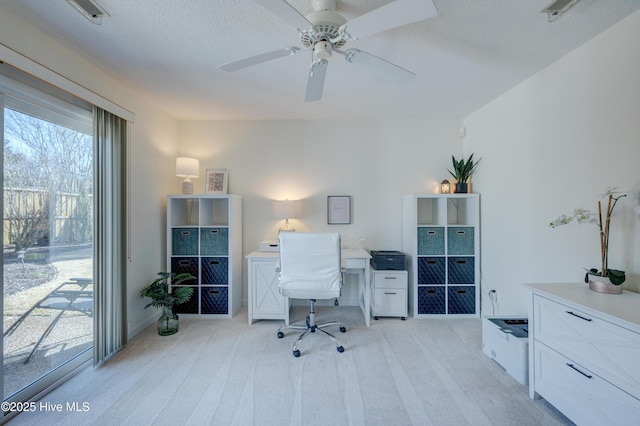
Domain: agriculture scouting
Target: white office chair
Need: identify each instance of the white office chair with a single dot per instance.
(310, 268)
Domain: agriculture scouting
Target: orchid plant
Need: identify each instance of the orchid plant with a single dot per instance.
(612, 196)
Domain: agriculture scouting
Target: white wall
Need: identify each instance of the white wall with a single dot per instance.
(153, 145)
(375, 162)
(550, 145)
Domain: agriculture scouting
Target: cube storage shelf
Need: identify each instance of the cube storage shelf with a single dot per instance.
(441, 236)
(204, 234)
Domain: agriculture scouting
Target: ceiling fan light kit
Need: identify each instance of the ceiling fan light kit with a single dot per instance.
(324, 31)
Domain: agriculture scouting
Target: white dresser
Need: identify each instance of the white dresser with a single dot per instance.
(388, 294)
(584, 352)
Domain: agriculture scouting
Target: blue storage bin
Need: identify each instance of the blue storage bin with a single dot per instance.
(189, 265)
(430, 241)
(215, 300)
(431, 270)
(460, 241)
(431, 300)
(184, 241)
(461, 270)
(461, 299)
(214, 241)
(214, 270)
(190, 307)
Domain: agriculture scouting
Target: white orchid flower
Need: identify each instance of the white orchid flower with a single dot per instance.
(601, 220)
(611, 190)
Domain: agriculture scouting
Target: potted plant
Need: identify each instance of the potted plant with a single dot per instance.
(162, 298)
(462, 172)
(605, 280)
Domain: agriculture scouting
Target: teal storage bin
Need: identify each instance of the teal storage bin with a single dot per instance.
(184, 241)
(460, 241)
(430, 241)
(214, 241)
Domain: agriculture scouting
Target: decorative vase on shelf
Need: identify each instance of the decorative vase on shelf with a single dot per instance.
(603, 285)
(168, 322)
(462, 188)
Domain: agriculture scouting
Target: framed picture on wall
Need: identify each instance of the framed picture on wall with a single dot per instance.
(338, 209)
(215, 181)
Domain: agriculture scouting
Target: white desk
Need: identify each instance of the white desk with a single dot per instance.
(266, 302)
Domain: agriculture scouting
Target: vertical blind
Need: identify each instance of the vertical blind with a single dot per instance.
(110, 192)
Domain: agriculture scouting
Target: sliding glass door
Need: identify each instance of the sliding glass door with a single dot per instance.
(48, 264)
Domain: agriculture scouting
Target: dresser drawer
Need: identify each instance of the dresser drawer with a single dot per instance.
(580, 393)
(390, 279)
(606, 349)
(389, 302)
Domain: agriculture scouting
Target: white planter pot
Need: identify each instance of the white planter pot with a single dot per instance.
(603, 285)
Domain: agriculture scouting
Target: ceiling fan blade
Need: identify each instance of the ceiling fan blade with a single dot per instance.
(392, 15)
(258, 59)
(286, 12)
(315, 83)
(379, 67)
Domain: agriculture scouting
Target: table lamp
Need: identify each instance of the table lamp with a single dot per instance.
(187, 168)
(287, 209)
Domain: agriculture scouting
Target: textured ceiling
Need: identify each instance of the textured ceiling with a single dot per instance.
(170, 50)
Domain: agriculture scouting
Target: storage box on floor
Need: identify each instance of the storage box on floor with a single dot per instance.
(505, 340)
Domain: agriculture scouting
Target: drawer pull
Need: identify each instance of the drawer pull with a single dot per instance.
(460, 232)
(184, 263)
(214, 262)
(579, 316)
(588, 376)
(431, 291)
(186, 233)
(214, 292)
(390, 278)
(461, 291)
(388, 292)
(431, 262)
(461, 262)
(431, 232)
(213, 231)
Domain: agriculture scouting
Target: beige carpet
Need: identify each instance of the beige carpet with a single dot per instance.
(225, 372)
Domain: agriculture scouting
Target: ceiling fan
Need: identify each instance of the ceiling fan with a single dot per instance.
(324, 31)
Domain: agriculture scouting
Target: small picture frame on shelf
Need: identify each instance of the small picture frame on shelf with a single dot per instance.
(339, 209)
(215, 181)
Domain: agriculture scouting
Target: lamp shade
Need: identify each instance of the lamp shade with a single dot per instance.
(187, 167)
(287, 209)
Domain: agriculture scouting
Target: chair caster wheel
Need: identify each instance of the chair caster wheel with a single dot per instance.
(343, 330)
(296, 353)
(375, 318)
(280, 334)
(403, 318)
(340, 349)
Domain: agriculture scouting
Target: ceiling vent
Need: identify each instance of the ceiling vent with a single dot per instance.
(557, 8)
(89, 9)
